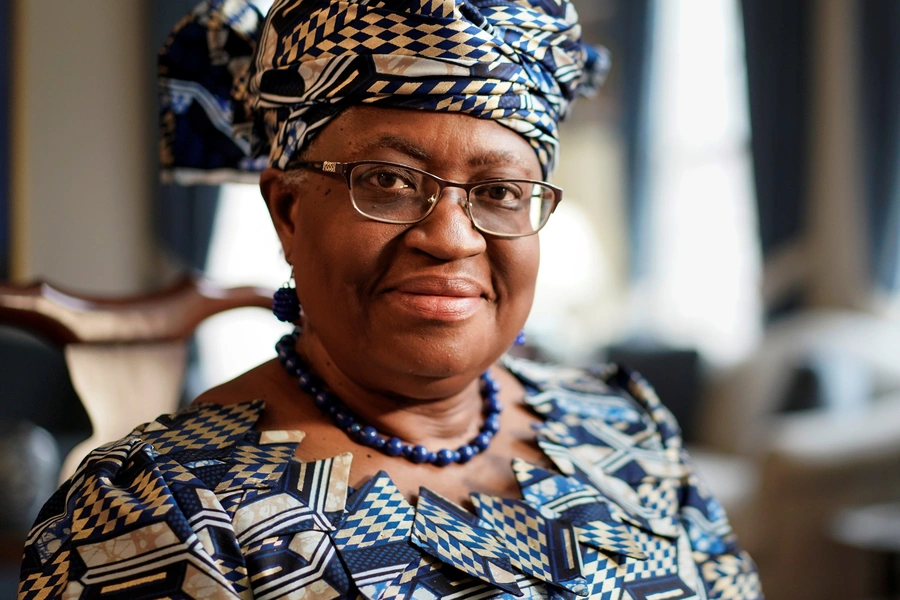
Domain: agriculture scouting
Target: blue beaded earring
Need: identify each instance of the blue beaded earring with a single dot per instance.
(520, 339)
(286, 304)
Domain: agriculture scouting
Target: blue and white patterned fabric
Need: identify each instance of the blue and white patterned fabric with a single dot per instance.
(196, 71)
(201, 505)
(519, 62)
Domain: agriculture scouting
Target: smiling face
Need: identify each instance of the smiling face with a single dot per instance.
(418, 310)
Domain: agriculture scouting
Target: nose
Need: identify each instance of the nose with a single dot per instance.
(447, 233)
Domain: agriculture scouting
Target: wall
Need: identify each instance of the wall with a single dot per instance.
(82, 144)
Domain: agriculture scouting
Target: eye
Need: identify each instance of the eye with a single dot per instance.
(374, 178)
(501, 194)
(388, 180)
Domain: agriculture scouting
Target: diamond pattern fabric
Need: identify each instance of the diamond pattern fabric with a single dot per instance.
(238, 93)
(519, 63)
(201, 505)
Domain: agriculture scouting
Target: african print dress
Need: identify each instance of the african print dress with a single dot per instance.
(199, 504)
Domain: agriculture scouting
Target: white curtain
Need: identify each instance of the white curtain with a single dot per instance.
(701, 288)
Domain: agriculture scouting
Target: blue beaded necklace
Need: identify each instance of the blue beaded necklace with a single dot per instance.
(335, 409)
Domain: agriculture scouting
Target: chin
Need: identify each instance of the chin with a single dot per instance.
(439, 353)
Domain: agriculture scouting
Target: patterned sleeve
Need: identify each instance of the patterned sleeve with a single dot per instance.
(115, 526)
(152, 515)
(727, 571)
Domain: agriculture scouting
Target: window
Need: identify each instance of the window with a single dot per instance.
(704, 258)
(244, 250)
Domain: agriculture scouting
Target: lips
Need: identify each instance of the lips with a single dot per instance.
(456, 287)
(439, 298)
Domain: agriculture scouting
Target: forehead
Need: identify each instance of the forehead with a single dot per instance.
(424, 137)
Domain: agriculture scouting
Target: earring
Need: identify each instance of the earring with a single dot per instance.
(286, 304)
(520, 339)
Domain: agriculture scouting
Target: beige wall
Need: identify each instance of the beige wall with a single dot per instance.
(82, 144)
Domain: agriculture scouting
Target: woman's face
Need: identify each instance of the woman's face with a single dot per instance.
(418, 310)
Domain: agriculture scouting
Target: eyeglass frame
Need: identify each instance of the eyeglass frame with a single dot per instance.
(345, 169)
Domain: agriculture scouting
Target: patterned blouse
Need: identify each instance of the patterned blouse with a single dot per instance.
(201, 505)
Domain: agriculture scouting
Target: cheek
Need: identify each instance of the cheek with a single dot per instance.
(319, 244)
(515, 267)
(339, 255)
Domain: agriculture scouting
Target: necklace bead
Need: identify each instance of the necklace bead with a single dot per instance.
(341, 415)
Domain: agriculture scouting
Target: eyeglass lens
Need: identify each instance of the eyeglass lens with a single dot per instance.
(403, 195)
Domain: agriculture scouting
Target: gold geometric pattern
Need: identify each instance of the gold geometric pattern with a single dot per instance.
(733, 577)
(46, 583)
(451, 534)
(614, 537)
(521, 65)
(212, 429)
(143, 524)
(109, 508)
(522, 531)
(385, 516)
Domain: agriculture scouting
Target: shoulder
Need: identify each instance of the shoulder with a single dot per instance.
(608, 433)
(150, 452)
(265, 382)
(149, 495)
(608, 392)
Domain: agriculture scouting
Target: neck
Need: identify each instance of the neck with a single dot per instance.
(418, 410)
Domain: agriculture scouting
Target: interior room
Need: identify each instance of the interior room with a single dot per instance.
(730, 229)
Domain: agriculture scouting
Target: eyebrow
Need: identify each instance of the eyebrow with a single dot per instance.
(494, 157)
(397, 143)
(413, 150)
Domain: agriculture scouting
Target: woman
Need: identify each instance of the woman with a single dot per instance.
(391, 451)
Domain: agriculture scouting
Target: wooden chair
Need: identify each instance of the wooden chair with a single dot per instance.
(126, 357)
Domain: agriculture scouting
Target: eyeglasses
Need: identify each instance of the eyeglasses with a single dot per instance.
(394, 193)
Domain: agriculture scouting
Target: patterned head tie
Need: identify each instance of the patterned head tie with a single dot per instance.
(519, 62)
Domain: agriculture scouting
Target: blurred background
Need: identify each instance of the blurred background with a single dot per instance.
(730, 228)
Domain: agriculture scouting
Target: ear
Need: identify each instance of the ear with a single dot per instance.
(281, 201)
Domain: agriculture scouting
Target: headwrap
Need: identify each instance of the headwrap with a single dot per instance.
(519, 62)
